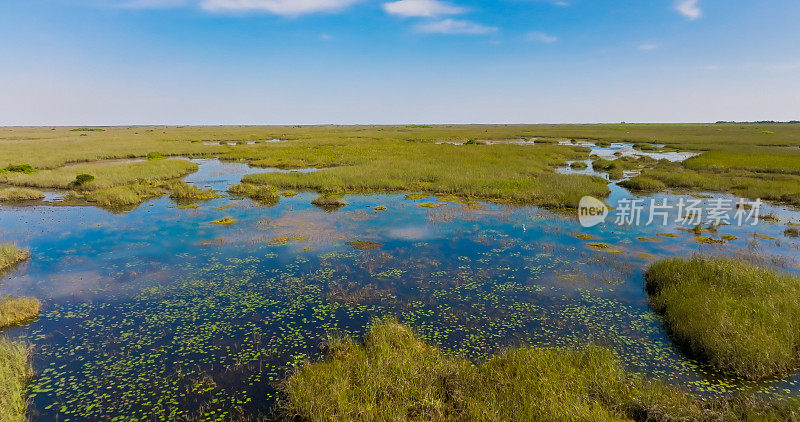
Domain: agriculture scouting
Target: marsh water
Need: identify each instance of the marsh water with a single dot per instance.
(156, 313)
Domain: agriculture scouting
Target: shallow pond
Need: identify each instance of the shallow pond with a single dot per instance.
(159, 314)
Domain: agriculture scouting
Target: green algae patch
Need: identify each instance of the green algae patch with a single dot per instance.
(285, 240)
(225, 221)
(364, 245)
(394, 375)
(707, 240)
(739, 318)
(598, 245)
(416, 196)
(729, 237)
(668, 235)
(585, 236)
(380, 208)
(432, 204)
(763, 237)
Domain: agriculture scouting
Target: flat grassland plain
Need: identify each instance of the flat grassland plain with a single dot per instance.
(118, 168)
(755, 160)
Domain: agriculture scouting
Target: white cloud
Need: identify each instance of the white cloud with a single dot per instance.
(450, 26)
(277, 7)
(540, 37)
(153, 4)
(648, 47)
(421, 8)
(689, 9)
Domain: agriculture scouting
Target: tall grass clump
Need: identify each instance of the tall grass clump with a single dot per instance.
(11, 255)
(329, 202)
(645, 184)
(185, 191)
(742, 319)
(397, 376)
(16, 310)
(123, 196)
(20, 194)
(15, 373)
(262, 193)
(21, 168)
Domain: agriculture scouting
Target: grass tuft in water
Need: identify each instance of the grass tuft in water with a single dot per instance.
(14, 311)
(15, 373)
(20, 194)
(263, 193)
(640, 183)
(11, 255)
(329, 202)
(123, 196)
(397, 376)
(184, 191)
(364, 245)
(740, 318)
(225, 221)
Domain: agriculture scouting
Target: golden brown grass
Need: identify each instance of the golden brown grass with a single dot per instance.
(11, 255)
(16, 310)
(106, 175)
(756, 160)
(15, 373)
(20, 194)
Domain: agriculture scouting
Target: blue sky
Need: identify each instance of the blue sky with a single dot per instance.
(80, 62)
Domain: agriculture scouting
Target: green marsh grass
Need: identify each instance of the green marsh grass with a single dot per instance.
(15, 374)
(398, 158)
(514, 173)
(11, 255)
(16, 310)
(645, 184)
(394, 375)
(184, 191)
(739, 318)
(123, 196)
(329, 202)
(106, 175)
(20, 194)
(262, 193)
(225, 221)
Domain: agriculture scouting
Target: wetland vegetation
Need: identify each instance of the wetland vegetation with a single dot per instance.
(11, 255)
(740, 318)
(216, 280)
(395, 375)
